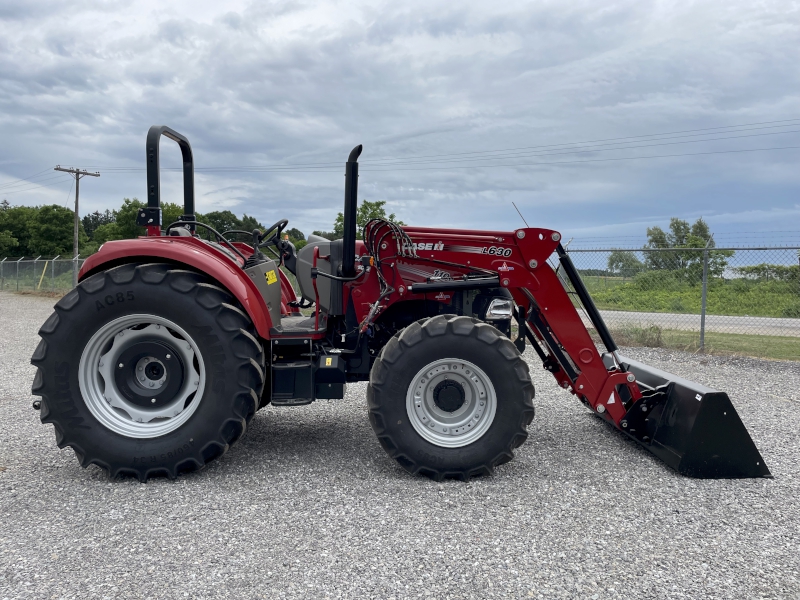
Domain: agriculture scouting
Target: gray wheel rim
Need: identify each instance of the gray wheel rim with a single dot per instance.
(463, 426)
(99, 389)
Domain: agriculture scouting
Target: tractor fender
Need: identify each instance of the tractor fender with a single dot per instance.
(193, 253)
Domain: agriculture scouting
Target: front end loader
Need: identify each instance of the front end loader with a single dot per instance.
(157, 361)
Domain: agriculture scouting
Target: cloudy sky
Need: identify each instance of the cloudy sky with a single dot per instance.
(595, 118)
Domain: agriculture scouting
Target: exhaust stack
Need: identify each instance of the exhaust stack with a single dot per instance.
(350, 210)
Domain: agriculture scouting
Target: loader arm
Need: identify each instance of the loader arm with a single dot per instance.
(692, 428)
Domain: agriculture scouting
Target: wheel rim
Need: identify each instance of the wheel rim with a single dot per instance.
(141, 376)
(451, 402)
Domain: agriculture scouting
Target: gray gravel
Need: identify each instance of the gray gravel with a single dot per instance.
(308, 505)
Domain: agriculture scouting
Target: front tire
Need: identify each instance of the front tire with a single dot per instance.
(450, 397)
(148, 370)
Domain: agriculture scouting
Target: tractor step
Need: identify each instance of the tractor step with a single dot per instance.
(302, 382)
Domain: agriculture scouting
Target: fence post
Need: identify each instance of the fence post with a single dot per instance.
(703, 301)
(53, 274)
(3, 274)
(18, 272)
(34, 271)
(75, 271)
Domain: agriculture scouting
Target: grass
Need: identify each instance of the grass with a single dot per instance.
(759, 346)
(661, 292)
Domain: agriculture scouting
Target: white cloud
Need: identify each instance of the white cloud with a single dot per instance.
(253, 83)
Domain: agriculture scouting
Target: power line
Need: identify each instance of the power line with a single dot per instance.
(32, 188)
(600, 145)
(334, 166)
(472, 166)
(28, 178)
(589, 160)
(24, 184)
(579, 151)
(69, 193)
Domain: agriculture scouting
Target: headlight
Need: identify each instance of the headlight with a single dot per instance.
(499, 308)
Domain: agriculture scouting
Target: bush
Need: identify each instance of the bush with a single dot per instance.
(657, 280)
(792, 311)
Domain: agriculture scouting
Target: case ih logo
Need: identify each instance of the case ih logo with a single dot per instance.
(505, 267)
(428, 246)
(441, 296)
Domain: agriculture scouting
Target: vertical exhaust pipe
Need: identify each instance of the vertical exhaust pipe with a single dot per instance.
(350, 210)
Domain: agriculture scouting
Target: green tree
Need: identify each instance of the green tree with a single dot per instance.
(249, 223)
(223, 220)
(52, 231)
(688, 263)
(295, 234)
(104, 233)
(97, 219)
(7, 243)
(366, 211)
(126, 219)
(17, 220)
(625, 263)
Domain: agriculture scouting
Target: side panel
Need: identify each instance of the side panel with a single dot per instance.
(192, 253)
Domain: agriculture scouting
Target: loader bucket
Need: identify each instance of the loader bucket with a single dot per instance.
(692, 428)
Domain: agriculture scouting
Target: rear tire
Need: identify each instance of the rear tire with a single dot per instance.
(148, 370)
(450, 397)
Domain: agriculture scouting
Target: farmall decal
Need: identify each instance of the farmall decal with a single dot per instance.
(441, 297)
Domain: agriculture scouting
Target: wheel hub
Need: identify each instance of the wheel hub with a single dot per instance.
(141, 376)
(448, 396)
(451, 402)
(149, 373)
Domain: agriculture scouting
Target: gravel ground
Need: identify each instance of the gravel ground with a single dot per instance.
(308, 505)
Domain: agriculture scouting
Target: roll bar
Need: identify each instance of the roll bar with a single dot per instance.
(151, 216)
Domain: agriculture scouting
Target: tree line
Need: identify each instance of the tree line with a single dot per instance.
(48, 230)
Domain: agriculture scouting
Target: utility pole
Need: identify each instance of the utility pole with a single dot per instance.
(78, 175)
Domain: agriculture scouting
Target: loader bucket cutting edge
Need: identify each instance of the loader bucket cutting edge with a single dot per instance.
(693, 428)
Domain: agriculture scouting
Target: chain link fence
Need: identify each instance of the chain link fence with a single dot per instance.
(737, 300)
(38, 274)
(726, 300)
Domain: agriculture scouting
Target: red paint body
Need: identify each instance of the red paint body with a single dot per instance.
(510, 255)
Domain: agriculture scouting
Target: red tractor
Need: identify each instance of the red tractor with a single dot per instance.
(157, 361)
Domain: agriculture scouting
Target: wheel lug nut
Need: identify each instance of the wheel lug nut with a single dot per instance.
(153, 400)
(120, 365)
(168, 356)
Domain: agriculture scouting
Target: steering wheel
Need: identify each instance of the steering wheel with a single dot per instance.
(278, 227)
